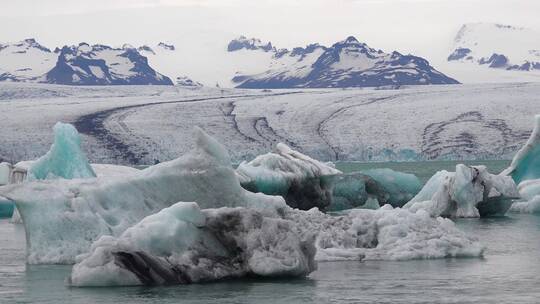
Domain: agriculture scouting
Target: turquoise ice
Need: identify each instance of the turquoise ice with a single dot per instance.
(65, 159)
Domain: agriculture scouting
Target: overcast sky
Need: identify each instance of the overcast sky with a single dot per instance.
(415, 26)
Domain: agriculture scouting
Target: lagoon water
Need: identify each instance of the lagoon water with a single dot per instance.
(508, 273)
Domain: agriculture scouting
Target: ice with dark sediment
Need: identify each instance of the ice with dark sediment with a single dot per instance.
(120, 229)
(470, 191)
(303, 181)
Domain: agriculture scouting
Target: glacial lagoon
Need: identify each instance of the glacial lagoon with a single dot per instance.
(512, 254)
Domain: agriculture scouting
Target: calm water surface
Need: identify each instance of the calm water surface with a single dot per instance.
(509, 273)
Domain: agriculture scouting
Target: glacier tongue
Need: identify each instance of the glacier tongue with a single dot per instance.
(83, 210)
(65, 159)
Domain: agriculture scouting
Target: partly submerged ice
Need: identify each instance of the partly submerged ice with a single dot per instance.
(373, 188)
(526, 163)
(525, 170)
(303, 182)
(83, 210)
(65, 159)
(398, 187)
(182, 244)
(467, 192)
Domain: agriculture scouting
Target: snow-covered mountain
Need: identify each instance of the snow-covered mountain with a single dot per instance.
(25, 60)
(103, 65)
(497, 46)
(348, 63)
(29, 61)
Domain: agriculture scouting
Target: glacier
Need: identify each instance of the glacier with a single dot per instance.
(83, 210)
(303, 181)
(65, 159)
(470, 191)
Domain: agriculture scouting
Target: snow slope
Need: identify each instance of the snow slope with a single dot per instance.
(103, 65)
(139, 125)
(347, 63)
(24, 60)
(495, 53)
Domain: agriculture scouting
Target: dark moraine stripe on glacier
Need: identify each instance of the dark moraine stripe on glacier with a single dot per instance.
(93, 125)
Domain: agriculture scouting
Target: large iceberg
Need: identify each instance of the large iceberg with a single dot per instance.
(467, 192)
(63, 217)
(303, 182)
(65, 159)
(182, 244)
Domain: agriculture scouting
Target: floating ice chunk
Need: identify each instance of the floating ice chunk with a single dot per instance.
(182, 244)
(175, 246)
(384, 234)
(530, 206)
(65, 159)
(83, 210)
(468, 192)
(399, 187)
(386, 186)
(350, 191)
(526, 163)
(529, 191)
(303, 182)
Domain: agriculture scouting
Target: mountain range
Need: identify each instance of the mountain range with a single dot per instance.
(497, 46)
(479, 52)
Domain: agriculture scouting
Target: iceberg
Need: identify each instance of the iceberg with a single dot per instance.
(83, 210)
(182, 244)
(467, 192)
(65, 159)
(351, 191)
(530, 206)
(398, 188)
(373, 188)
(526, 163)
(303, 182)
(385, 234)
